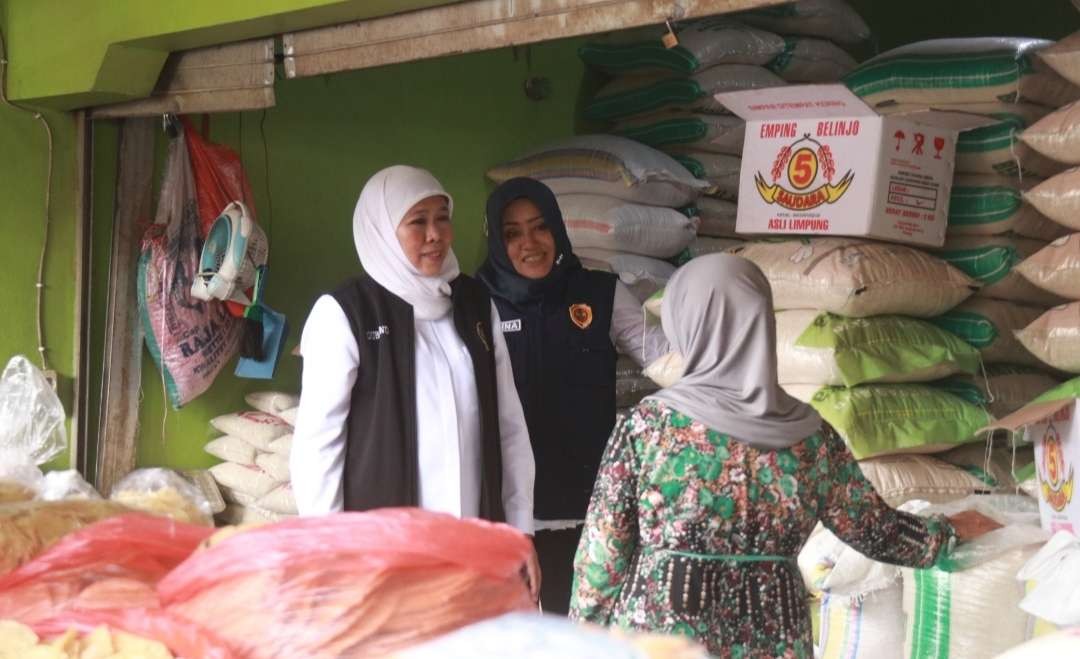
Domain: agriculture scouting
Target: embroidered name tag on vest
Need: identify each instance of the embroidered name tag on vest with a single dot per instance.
(511, 325)
(377, 333)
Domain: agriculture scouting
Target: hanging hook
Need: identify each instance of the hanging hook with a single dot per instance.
(170, 125)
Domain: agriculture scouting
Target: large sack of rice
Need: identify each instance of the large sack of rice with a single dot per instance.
(702, 44)
(902, 478)
(279, 500)
(1058, 198)
(1052, 577)
(824, 349)
(643, 275)
(720, 170)
(607, 165)
(247, 479)
(992, 261)
(705, 245)
(851, 277)
(977, 70)
(632, 95)
(255, 428)
(1056, 267)
(232, 449)
(713, 133)
(716, 218)
(996, 467)
(834, 20)
(282, 445)
(272, 402)
(974, 610)
(989, 205)
(882, 419)
(997, 149)
(620, 226)
(1054, 338)
(1057, 135)
(631, 384)
(1064, 57)
(990, 326)
(807, 60)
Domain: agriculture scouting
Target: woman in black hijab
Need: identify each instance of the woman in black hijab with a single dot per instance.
(563, 325)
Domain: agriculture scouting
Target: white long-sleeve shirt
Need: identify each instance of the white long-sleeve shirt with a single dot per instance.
(630, 334)
(448, 426)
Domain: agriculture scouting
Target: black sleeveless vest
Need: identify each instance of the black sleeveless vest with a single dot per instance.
(381, 463)
(564, 369)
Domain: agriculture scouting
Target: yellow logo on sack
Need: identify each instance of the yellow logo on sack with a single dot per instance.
(1057, 490)
(801, 165)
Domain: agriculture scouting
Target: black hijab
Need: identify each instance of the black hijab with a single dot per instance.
(498, 272)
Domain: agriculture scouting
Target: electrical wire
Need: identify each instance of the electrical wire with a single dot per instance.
(40, 283)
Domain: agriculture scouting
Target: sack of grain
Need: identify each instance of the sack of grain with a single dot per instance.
(289, 416)
(282, 445)
(631, 383)
(856, 278)
(245, 515)
(997, 149)
(992, 261)
(716, 218)
(996, 467)
(630, 95)
(865, 626)
(820, 348)
(989, 205)
(255, 428)
(232, 449)
(594, 221)
(1056, 267)
(702, 44)
(1065, 643)
(990, 326)
(902, 478)
(974, 611)
(1064, 57)
(247, 479)
(276, 466)
(279, 500)
(631, 268)
(807, 60)
(237, 497)
(978, 70)
(272, 402)
(1057, 135)
(1058, 198)
(1055, 338)
(882, 419)
(834, 20)
(713, 133)
(705, 245)
(720, 170)
(1053, 581)
(607, 165)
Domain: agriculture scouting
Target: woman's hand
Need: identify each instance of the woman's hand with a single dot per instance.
(971, 524)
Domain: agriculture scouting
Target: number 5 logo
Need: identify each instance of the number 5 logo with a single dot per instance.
(803, 168)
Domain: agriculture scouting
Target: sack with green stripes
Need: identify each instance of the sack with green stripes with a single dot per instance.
(717, 217)
(685, 131)
(821, 348)
(702, 44)
(720, 170)
(630, 95)
(982, 205)
(806, 60)
(968, 604)
(989, 326)
(997, 148)
(992, 261)
(977, 70)
(829, 19)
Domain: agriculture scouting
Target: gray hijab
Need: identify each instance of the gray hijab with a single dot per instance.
(718, 313)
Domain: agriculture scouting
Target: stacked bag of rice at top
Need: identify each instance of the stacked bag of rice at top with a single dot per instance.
(663, 96)
(620, 201)
(254, 475)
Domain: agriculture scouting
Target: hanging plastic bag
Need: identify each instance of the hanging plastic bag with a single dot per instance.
(1055, 571)
(351, 584)
(191, 340)
(219, 177)
(163, 492)
(67, 485)
(31, 429)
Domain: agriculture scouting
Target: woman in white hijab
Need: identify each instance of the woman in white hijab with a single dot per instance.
(710, 487)
(408, 396)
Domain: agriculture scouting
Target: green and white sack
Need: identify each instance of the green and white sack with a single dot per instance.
(643, 275)
(998, 149)
(806, 60)
(1054, 338)
(704, 245)
(825, 349)
(702, 44)
(1057, 135)
(990, 326)
(1058, 198)
(999, 467)
(982, 205)
(992, 261)
(717, 217)
(686, 131)
(720, 170)
(1056, 267)
(595, 221)
(632, 95)
(834, 20)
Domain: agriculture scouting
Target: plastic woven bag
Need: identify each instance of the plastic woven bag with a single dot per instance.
(350, 585)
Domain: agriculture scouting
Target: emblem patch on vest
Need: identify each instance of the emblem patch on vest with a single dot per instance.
(377, 333)
(581, 315)
(511, 326)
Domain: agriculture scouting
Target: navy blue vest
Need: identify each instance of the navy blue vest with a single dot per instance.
(564, 369)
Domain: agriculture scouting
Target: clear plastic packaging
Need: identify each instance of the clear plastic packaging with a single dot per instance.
(65, 486)
(163, 492)
(31, 428)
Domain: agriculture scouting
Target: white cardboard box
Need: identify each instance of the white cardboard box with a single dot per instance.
(818, 160)
(1054, 429)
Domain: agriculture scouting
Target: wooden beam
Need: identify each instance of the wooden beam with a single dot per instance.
(83, 239)
(122, 372)
(479, 25)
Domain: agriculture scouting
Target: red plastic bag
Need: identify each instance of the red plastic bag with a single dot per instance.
(112, 564)
(352, 584)
(183, 638)
(219, 177)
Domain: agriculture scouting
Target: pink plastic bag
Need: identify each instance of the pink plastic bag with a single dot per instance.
(183, 638)
(350, 585)
(219, 177)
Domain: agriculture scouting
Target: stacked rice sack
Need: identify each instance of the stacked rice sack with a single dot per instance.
(663, 96)
(254, 447)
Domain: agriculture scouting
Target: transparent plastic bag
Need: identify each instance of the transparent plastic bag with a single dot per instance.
(1055, 569)
(65, 486)
(31, 428)
(351, 584)
(163, 492)
(1019, 519)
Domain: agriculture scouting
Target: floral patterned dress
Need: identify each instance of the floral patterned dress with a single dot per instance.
(692, 532)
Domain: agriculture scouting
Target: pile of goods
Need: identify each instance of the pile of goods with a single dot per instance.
(254, 475)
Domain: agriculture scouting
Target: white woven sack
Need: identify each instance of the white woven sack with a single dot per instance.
(717, 218)
(272, 402)
(280, 500)
(808, 60)
(1057, 135)
(282, 445)
(255, 428)
(248, 480)
(1056, 267)
(1064, 57)
(834, 20)
(231, 449)
(1058, 198)
(1055, 338)
(620, 226)
(276, 466)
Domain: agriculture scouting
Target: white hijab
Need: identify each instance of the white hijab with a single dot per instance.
(383, 202)
(718, 313)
